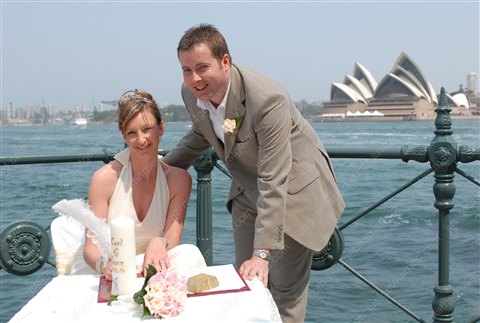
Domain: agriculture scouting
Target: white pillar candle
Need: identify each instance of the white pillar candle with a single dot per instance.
(124, 273)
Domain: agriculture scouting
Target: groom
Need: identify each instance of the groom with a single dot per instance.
(284, 200)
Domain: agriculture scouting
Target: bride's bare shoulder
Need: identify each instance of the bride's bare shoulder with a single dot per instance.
(108, 172)
(176, 177)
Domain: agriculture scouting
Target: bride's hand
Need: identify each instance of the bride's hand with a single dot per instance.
(156, 255)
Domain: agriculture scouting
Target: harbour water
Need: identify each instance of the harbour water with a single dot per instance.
(395, 246)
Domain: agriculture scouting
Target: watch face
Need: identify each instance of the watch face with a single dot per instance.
(263, 254)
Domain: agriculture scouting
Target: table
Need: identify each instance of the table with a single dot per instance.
(74, 299)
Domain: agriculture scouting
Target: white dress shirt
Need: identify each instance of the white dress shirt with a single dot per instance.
(217, 115)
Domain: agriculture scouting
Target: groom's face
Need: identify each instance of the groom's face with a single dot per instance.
(206, 76)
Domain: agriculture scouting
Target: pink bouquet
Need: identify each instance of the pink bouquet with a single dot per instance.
(163, 294)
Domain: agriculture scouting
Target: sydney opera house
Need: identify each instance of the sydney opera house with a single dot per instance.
(403, 94)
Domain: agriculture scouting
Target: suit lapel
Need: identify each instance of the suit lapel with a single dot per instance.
(202, 118)
(235, 107)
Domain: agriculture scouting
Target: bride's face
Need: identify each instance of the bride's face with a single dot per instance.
(142, 133)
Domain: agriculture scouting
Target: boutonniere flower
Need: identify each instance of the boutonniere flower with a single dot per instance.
(229, 125)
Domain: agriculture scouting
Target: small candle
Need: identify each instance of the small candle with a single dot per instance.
(124, 273)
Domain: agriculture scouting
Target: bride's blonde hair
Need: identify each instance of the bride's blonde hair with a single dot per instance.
(132, 103)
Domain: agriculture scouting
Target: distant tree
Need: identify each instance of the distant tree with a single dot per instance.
(309, 109)
(178, 113)
(175, 113)
(104, 117)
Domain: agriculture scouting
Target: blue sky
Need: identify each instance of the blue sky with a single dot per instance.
(73, 52)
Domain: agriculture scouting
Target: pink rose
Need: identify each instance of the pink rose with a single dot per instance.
(166, 294)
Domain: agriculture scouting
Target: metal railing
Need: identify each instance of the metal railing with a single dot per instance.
(443, 154)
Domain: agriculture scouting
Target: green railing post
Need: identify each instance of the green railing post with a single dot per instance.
(204, 167)
(442, 154)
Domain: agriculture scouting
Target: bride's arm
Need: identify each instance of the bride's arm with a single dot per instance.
(101, 189)
(179, 185)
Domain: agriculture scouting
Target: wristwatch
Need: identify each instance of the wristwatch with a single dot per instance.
(262, 254)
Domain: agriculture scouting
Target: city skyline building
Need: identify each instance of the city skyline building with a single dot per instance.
(472, 84)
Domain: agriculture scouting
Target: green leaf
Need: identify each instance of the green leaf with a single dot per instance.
(150, 272)
(238, 121)
(138, 296)
(146, 311)
(111, 299)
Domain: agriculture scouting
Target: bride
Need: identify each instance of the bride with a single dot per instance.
(139, 185)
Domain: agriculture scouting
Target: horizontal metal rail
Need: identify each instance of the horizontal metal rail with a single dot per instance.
(367, 152)
(334, 152)
(106, 157)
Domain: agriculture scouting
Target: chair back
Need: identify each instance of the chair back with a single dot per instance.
(68, 237)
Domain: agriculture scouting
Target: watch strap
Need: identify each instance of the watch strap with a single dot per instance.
(262, 254)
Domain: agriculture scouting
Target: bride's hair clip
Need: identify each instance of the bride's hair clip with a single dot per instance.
(138, 96)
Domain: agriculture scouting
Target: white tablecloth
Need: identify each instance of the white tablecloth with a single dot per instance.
(74, 299)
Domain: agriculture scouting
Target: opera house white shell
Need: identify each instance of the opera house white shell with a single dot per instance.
(403, 93)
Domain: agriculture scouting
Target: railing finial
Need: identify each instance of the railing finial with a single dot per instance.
(443, 121)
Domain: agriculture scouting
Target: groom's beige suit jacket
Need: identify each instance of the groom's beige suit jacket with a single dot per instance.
(274, 156)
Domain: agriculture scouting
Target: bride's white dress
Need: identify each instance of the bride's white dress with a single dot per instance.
(121, 203)
(68, 235)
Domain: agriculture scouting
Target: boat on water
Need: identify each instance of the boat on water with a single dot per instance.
(80, 122)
